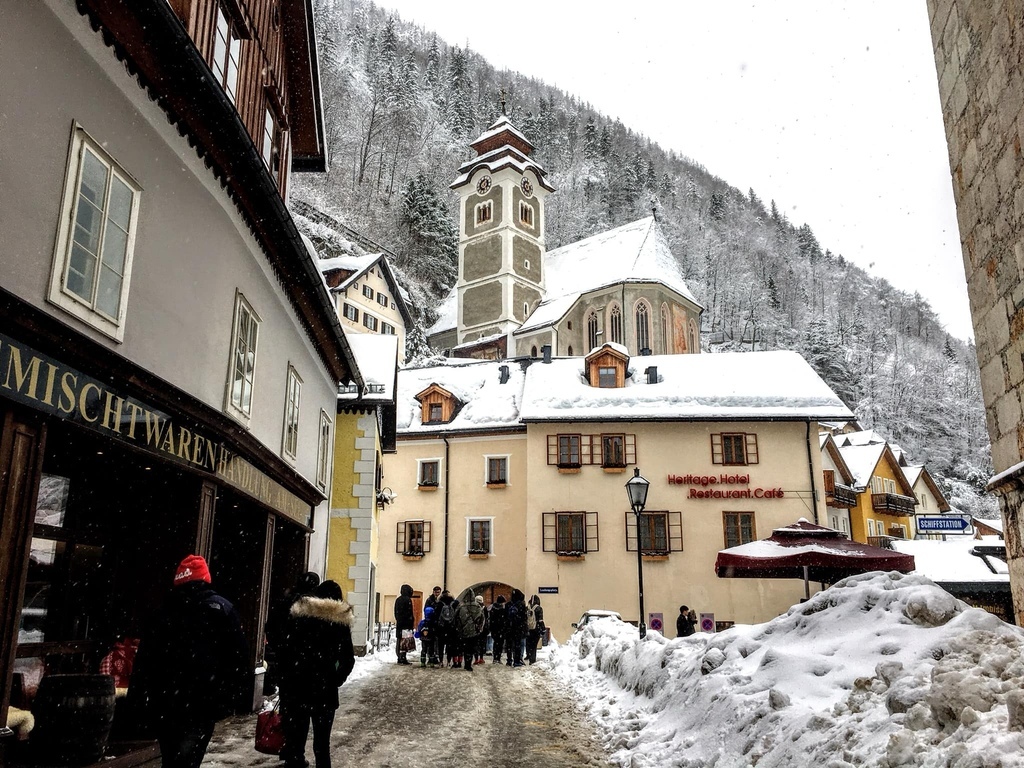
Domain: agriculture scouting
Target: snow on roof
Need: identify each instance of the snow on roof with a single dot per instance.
(951, 560)
(634, 253)
(862, 460)
(863, 437)
(497, 163)
(499, 125)
(992, 522)
(356, 264)
(477, 342)
(880, 669)
(750, 385)
(377, 357)
(913, 473)
(486, 403)
(447, 314)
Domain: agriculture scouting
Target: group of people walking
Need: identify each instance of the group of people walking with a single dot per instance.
(455, 633)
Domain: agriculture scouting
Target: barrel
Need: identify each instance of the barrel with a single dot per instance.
(73, 717)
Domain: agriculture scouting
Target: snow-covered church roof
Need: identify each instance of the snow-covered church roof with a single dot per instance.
(633, 253)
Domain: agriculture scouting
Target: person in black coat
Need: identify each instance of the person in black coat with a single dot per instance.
(685, 622)
(315, 660)
(191, 667)
(515, 628)
(277, 625)
(497, 620)
(404, 620)
(535, 635)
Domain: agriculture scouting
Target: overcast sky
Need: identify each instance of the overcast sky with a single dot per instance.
(829, 108)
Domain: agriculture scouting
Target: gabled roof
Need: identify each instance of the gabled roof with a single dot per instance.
(829, 445)
(487, 403)
(863, 460)
(343, 262)
(919, 474)
(633, 253)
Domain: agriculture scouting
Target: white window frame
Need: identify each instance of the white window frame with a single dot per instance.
(490, 536)
(227, 53)
(59, 294)
(871, 527)
(526, 214)
(292, 402)
(485, 208)
(323, 457)
(425, 460)
(242, 309)
(508, 464)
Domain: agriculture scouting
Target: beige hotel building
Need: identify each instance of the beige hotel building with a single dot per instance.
(512, 474)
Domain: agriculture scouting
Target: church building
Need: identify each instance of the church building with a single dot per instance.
(514, 297)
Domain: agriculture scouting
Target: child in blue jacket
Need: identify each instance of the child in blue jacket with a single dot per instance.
(425, 634)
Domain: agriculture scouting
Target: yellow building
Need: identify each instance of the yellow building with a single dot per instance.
(363, 434)
(885, 497)
(513, 475)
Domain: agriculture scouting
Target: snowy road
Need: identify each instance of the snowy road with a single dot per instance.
(419, 718)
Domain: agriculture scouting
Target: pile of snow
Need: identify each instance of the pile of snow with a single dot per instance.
(882, 669)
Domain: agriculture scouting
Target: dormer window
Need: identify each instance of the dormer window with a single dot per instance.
(438, 405)
(484, 212)
(606, 366)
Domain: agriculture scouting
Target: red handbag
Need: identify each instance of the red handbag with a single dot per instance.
(269, 731)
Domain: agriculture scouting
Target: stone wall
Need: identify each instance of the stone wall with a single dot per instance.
(979, 45)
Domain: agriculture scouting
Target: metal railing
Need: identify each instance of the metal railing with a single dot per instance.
(383, 635)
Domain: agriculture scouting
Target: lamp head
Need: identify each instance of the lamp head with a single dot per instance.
(636, 489)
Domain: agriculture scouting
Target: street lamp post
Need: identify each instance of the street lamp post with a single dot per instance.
(636, 490)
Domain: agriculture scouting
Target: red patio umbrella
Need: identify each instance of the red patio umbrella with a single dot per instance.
(807, 551)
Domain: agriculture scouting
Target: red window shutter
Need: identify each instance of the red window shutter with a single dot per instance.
(630, 449)
(426, 536)
(552, 449)
(585, 449)
(596, 449)
(675, 531)
(550, 523)
(400, 538)
(593, 542)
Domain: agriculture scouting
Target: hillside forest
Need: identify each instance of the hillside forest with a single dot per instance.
(400, 108)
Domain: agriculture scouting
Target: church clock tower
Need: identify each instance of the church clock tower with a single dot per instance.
(501, 239)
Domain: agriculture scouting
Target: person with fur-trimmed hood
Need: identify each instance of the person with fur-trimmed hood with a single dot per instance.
(469, 623)
(316, 659)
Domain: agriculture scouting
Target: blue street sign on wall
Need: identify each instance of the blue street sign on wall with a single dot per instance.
(943, 523)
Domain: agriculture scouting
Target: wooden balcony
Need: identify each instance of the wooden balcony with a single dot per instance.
(841, 496)
(893, 504)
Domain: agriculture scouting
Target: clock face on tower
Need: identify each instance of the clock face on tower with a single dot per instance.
(526, 186)
(483, 185)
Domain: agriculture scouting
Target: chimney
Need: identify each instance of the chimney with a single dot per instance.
(502, 374)
(652, 374)
(546, 350)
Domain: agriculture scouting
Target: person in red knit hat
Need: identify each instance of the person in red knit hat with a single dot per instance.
(191, 666)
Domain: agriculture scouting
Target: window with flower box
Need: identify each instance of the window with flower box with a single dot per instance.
(429, 473)
(413, 538)
(479, 536)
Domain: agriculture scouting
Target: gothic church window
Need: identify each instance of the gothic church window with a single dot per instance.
(643, 328)
(592, 330)
(666, 329)
(615, 323)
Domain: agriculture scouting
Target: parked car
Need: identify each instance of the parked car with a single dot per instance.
(592, 615)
